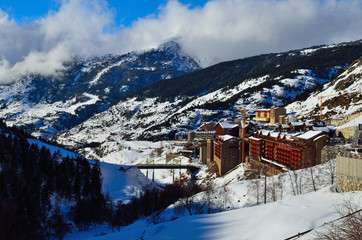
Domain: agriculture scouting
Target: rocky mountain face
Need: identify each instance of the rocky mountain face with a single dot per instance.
(48, 105)
(340, 98)
(180, 104)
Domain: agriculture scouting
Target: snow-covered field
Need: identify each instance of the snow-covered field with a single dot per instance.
(277, 220)
(236, 204)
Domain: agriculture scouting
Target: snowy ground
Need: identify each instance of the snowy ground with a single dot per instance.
(292, 207)
(277, 220)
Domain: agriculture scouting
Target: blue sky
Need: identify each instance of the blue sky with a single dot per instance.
(39, 37)
(126, 11)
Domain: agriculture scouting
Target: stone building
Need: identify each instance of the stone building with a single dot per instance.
(275, 112)
(349, 171)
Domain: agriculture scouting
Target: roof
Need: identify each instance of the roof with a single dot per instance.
(323, 129)
(284, 125)
(228, 125)
(225, 138)
(309, 134)
(255, 138)
(263, 110)
(296, 124)
(317, 138)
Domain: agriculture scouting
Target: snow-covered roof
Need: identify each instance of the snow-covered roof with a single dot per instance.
(317, 138)
(309, 134)
(263, 110)
(297, 124)
(323, 129)
(255, 138)
(275, 163)
(284, 125)
(228, 125)
(225, 138)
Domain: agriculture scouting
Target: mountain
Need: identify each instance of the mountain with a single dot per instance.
(341, 97)
(87, 86)
(181, 104)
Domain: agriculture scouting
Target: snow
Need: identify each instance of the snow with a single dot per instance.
(241, 217)
(309, 134)
(225, 138)
(105, 70)
(278, 220)
(354, 85)
(121, 185)
(53, 149)
(227, 125)
(353, 123)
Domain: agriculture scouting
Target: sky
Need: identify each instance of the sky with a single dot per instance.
(38, 37)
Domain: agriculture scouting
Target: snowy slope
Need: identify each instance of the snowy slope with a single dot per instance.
(343, 95)
(152, 118)
(275, 220)
(120, 185)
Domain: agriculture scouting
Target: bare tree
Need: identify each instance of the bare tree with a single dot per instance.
(313, 178)
(329, 170)
(281, 186)
(291, 183)
(254, 189)
(207, 199)
(272, 189)
(348, 226)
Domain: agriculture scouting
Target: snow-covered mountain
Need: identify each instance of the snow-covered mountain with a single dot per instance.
(274, 79)
(88, 86)
(341, 97)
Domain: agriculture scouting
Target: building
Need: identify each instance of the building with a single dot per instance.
(200, 135)
(226, 153)
(297, 126)
(279, 151)
(270, 115)
(275, 112)
(202, 145)
(209, 150)
(227, 128)
(349, 171)
(208, 126)
(262, 115)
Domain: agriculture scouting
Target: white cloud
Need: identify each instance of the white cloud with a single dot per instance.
(221, 30)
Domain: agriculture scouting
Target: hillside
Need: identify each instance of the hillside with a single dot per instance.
(235, 213)
(252, 83)
(343, 95)
(46, 105)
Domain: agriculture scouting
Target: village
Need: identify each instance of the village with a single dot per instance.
(273, 141)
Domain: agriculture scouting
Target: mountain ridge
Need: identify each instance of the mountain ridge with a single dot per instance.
(88, 86)
(161, 117)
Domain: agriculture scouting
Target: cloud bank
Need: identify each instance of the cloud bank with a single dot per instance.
(219, 31)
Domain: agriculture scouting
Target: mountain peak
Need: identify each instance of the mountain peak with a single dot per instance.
(170, 46)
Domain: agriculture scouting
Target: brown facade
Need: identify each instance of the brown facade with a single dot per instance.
(287, 152)
(210, 151)
(275, 112)
(226, 129)
(202, 145)
(226, 153)
(208, 127)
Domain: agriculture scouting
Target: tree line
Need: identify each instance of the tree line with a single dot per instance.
(36, 184)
